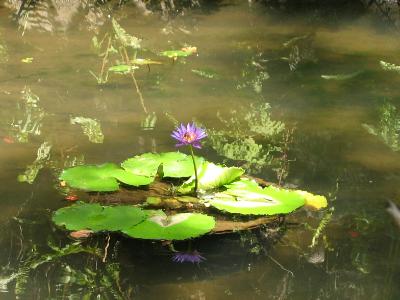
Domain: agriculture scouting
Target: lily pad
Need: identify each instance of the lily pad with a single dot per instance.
(145, 61)
(122, 69)
(211, 176)
(146, 164)
(159, 226)
(248, 198)
(178, 165)
(102, 178)
(95, 217)
(175, 164)
(184, 52)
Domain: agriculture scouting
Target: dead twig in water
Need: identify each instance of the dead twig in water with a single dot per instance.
(106, 248)
(280, 265)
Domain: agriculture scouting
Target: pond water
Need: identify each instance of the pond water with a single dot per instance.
(320, 76)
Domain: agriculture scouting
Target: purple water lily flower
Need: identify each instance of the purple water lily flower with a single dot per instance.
(193, 257)
(189, 135)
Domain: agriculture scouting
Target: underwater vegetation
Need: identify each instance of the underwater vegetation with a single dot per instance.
(388, 128)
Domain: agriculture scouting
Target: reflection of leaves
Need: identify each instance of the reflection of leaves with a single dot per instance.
(301, 50)
(34, 260)
(149, 122)
(124, 38)
(43, 154)
(238, 140)
(30, 121)
(260, 122)
(253, 76)
(3, 52)
(388, 128)
(91, 128)
(209, 74)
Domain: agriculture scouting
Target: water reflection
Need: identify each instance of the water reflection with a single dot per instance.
(357, 254)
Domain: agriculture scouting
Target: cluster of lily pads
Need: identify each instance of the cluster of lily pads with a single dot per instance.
(221, 190)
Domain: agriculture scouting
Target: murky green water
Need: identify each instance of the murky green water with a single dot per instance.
(241, 64)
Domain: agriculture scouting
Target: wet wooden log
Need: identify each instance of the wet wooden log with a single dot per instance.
(160, 195)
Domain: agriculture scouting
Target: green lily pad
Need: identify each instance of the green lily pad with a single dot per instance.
(145, 61)
(175, 164)
(211, 176)
(178, 165)
(146, 164)
(102, 178)
(184, 52)
(122, 69)
(248, 198)
(95, 217)
(159, 226)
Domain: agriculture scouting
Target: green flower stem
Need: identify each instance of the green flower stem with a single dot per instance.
(196, 180)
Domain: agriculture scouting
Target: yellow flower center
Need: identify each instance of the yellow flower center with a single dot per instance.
(189, 137)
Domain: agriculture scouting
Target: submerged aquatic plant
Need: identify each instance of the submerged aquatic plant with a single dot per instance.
(190, 135)
(191, 256)
(388, 128)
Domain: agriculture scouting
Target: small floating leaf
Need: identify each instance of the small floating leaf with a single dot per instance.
(313, 201)
(145, 61)
(159, 226)
(122, 69)
(342, 76)
(27, 60)
(92, 216)
(184, 52)
(389, 67)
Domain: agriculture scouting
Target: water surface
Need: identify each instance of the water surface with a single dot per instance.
(357, 256)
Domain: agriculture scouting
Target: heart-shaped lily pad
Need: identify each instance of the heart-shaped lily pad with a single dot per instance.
(102, 178)
(95, 217)
(248, 198)
(159, 226)
(175, 164)
(178, 165)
